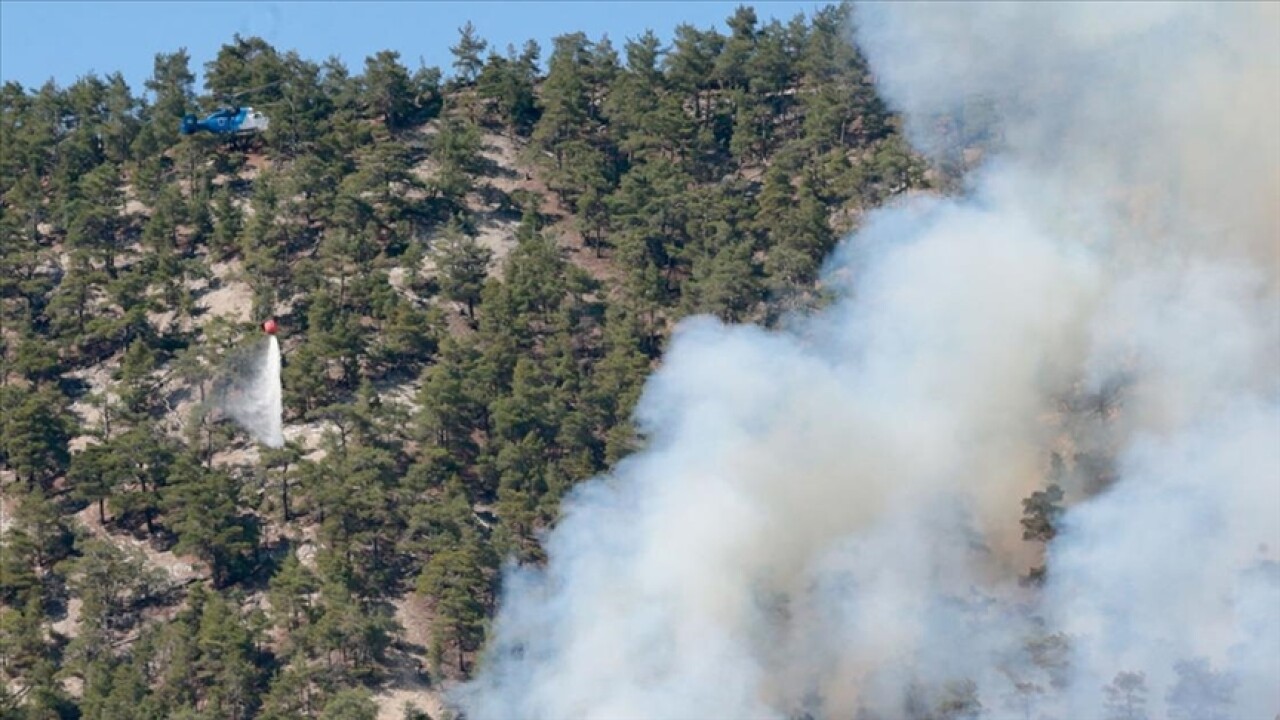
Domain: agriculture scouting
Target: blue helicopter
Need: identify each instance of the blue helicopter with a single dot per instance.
(227, 121)
(231, 119)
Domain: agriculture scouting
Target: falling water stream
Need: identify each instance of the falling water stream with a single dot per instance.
(253, 395)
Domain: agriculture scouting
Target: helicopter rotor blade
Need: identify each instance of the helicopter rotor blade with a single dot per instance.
(255, 89)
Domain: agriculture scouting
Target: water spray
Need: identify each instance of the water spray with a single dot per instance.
(251, 392)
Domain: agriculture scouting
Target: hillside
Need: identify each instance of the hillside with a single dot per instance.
(474, 273)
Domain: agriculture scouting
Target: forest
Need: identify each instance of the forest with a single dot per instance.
(475, 269)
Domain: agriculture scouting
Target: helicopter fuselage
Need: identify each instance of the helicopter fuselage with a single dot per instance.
(226, 121)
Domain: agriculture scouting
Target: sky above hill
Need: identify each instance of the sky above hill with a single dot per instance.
(65, 40)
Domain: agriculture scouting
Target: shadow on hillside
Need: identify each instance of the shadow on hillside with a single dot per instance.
(490, 168)
(500, 203)
(73, 387)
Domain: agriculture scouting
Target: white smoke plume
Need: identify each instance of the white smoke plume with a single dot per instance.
(249, 391)
(827, 519)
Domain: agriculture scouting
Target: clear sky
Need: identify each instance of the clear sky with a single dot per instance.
(64, 40)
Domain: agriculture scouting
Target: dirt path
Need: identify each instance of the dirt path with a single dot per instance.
(409, 682)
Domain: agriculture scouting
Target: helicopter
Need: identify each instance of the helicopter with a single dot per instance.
(227, 121)
(231, 119)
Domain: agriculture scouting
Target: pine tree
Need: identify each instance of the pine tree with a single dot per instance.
(145, 457)
(733, 62)
(691, 62)
(450, 410)
(463, 265)
(456, 150)
(18, 563)
(566, 96)
(173, 84)
(128, 698)
(352, 704)
(388, 89)
(22, 643)
(362, 518)
(960, 702)
(225, 668)
(95, 224)
(508, 83)
(94, 474)
(455, 580)
(290, 593)
(248, 69)
(202, 506)
(467, 54)
(725, 284)
(36, 433)
(112, 585)
(356, 634)
(1126, 697)
(1200, 692)
(1039, 522)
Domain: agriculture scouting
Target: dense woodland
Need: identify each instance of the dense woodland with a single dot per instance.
(475, 269)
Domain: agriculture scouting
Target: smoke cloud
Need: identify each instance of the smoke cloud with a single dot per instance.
(827, 519)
